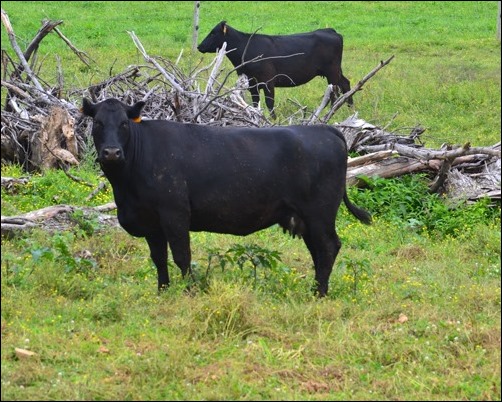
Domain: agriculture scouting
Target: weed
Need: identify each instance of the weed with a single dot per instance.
(352, 276)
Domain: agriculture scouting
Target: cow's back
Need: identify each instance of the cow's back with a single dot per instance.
(293, 60)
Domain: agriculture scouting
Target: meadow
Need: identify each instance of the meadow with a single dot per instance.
(414, 307)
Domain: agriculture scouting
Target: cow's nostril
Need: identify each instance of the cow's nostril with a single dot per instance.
(112, 154)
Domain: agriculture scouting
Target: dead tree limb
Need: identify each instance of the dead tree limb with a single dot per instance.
(56, 218)
(404, 150)
(80, 54)
(47, 27)
(149, 59)
(19, 53)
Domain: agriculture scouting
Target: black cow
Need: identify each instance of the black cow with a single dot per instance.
(171, 178)
(321, 55)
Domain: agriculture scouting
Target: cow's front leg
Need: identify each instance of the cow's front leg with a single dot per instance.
(255, 94)
(269, 92)
(158, 253)
(180, 248)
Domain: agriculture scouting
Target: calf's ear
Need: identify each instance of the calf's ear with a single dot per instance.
(88, 108)
(134, 111)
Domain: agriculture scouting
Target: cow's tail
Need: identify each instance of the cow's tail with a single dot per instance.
(361, 214)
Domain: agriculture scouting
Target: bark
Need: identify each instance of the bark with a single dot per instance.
(55, 144)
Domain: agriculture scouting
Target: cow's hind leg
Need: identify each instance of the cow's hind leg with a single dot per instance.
(324, 245)
(255, 92)
(344, 85)
(338, 80)
(158, 253)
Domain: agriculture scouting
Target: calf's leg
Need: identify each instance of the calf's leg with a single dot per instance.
(269, 92)
(158, 253)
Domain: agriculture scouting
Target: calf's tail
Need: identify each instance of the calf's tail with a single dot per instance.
(361, 214)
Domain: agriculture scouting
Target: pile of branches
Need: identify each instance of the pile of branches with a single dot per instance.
(461, 172)
(42, 126)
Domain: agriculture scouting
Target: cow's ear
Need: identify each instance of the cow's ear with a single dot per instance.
(135, 110)
(88, 108)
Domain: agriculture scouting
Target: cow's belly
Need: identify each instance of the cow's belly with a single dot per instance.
(237, 221)
(238, 226)
(138, 222)
(288, 81)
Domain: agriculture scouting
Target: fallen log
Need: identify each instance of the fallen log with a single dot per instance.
(391, 167)
(58, 218)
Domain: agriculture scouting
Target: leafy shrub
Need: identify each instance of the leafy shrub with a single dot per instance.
(406, 201)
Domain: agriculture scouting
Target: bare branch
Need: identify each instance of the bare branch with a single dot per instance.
(80, 54)
(12, 38)
(149, 59)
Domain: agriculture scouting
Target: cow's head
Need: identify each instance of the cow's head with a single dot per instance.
(214, 40)
(111, 127)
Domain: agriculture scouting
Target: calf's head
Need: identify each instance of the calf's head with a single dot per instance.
(111, 127)
(214, 40)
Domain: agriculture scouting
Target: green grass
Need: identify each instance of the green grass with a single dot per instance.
(414, 306)
(101, 331)
(413, 310)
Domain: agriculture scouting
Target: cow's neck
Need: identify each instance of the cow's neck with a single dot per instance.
(238, 41)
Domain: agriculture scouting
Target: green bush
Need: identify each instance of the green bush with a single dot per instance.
(406, 201)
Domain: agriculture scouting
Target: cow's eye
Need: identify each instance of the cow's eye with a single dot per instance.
(124, 125)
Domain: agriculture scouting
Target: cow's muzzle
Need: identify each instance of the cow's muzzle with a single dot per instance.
(110, 154)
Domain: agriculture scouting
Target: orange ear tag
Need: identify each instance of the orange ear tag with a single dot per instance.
(137, 119)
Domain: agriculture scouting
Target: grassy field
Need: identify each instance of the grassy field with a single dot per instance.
(414, 308)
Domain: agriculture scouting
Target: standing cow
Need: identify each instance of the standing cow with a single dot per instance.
(317, 53)
(171, 178)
